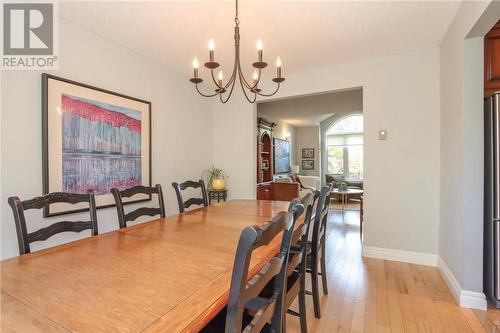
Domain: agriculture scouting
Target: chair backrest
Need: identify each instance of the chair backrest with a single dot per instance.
(183, 205)
(243, 290)
(24, 237)
(300, 235)
(320, 218)
(141, 211)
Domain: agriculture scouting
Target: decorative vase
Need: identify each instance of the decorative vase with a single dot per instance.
(218, 184)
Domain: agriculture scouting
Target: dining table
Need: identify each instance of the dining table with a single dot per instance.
(170, 274)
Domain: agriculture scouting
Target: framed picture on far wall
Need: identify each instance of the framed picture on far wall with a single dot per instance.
(307, 164)
(307, 152)
(93, 139)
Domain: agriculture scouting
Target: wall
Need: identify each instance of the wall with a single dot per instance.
(283, 131)
(461, 187)
(400, 94)
(309, 137)
(85, 57)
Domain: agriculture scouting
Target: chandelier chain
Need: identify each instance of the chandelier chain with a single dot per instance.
(236, 18)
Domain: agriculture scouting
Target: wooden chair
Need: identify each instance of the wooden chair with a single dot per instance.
(296, 270)
(24, 237)
(317, 248)
(183, 205)
(243, 294)
(141, 211)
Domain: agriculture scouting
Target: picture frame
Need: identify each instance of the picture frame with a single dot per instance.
(88, 133)
(265, 165)
(307, 164)
(308, 153)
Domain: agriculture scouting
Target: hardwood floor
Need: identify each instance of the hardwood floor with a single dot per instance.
(372, 295)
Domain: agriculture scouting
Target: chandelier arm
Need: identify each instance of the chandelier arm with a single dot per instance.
(243, 80)
(245, 92)
(204, 95)
(229, 95)
(271, 94)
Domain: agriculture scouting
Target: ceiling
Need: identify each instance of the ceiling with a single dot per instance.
(311, 110)
(305, 34)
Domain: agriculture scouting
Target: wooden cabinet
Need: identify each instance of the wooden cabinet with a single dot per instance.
(264, 191)
(492, 60)
(264, 150)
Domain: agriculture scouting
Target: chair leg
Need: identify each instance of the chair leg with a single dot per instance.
(302, 303)
(323, 270)
(315, 290)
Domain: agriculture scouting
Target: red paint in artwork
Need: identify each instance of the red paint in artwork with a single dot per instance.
(96, 113)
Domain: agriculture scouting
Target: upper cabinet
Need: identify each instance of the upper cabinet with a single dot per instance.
(492, 60)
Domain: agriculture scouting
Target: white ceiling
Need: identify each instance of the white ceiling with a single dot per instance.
(305, 34)
(311, 110)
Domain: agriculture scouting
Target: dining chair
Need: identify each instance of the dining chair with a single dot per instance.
(24, 237)
(297, 261)
(317, 248)
(179, 188)
(246, 311)
(141, 211)
(296, 270)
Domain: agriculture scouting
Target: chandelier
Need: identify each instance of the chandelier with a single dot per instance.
(225, 90)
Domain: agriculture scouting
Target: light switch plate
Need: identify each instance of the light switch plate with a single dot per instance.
(382, 135)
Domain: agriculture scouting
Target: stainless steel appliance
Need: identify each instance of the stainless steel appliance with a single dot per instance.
(492, 198)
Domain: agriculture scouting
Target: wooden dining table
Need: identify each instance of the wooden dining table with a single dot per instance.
(168, 275)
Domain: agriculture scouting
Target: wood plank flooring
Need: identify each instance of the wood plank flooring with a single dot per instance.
(372, 295)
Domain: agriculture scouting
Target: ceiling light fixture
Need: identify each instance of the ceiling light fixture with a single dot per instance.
(248, 89)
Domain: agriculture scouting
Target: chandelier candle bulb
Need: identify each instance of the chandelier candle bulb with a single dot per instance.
(195, 67)
(211, 48)
(259, 49)
(221, 76)
(278, 67)
(255, 77)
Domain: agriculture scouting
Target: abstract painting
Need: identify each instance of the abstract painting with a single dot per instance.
(95, 140)
(101, 146)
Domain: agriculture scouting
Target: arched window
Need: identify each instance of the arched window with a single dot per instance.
(344, 146)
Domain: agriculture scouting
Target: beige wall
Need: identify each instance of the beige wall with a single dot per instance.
(401, 95)
(309, 137)
(461, 141)
(181, 124)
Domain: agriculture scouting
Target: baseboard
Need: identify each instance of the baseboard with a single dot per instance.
(399, 255)
(466, 298)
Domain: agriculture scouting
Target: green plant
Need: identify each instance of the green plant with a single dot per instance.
(214, 173)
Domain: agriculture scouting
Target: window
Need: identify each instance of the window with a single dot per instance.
(344, 145)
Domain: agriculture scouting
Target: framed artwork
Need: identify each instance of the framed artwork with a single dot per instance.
(281, 156)
(93, 139)
(307, 152)
(307, 164)
(265, 165)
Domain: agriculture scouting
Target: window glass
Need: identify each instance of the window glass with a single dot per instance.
(344, 142)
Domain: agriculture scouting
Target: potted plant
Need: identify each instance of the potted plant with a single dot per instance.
(216, 178)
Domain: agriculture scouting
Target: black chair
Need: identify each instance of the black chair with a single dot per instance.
(317, 248)
(141, 211)
(24, 237)
(183, 205)
(244, 297)
(296, 270)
